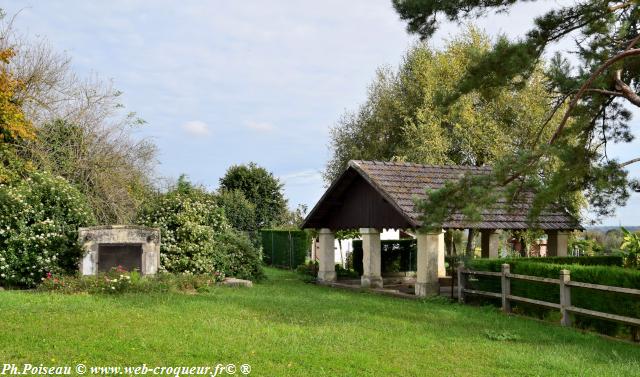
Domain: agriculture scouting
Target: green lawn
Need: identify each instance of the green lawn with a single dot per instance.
(284, 327)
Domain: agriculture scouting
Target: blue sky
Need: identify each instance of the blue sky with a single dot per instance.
(229, 82)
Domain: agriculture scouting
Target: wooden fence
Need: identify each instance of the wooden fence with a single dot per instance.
(564, 282)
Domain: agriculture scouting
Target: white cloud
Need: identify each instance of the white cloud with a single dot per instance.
(304, 177)
(197, 128)
(260, 126)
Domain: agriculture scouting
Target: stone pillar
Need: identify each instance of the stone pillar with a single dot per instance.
(490, 243)
(151, 254)
(371, 258)
(89, 261)
(557, 243)
(430, 247)
(314, 249)
(326, 256)
(442, 270)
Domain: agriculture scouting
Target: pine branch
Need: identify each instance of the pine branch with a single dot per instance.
(583, 89)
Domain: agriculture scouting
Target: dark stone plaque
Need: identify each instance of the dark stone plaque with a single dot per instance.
(128, 257)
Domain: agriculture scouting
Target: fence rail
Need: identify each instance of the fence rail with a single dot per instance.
(564, 284)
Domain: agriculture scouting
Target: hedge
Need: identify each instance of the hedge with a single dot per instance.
(600, 260)
(608, 302)
(285, 248)
(396, 255)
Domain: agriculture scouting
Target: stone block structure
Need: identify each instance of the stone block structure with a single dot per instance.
(128, 246)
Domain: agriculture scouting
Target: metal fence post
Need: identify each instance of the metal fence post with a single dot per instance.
(506, 288)
(565, 297)
(461, 281)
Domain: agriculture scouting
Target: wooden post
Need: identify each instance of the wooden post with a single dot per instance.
(461, 281)
(506, 288)
(565, 297)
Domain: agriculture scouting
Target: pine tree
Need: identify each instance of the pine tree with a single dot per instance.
(592, 98)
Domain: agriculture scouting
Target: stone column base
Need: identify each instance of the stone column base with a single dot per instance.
(371, 281)
(426, 289)
(327, 275)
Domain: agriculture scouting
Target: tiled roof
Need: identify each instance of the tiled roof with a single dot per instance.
(403, 183)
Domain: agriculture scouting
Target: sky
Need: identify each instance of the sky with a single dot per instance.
(221, 83)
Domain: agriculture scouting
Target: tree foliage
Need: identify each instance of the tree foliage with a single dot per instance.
(589, 98)
(405, 118)
(240, 212)
(15, 128)
(261, 188)
(71, 126)
(13, 124)
(293, 219)
(105, 163)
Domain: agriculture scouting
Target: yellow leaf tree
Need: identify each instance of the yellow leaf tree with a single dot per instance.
(14, 127)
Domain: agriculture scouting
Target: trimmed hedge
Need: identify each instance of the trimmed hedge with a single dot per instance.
(397, 255)
(608, 302)
(600, 260)
(285, 248)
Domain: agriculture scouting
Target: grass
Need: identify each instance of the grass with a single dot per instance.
(284, 327)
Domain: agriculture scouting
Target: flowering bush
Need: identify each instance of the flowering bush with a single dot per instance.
(121, 281)
(39, 220)
(196, 236)
(117, 280)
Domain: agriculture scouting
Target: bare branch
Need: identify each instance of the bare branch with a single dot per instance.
(626, 91)
(632, 43)
(622, 5)
(633, 161)
(606, 92)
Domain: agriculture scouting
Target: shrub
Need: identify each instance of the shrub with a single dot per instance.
(308, 271)
(120, 281)
(240, 257)
(608, 302)
(630, 248)
(196, 236)
(342, 272)
(598, 260)
(188, 219)
(585, 246)
(39, 220)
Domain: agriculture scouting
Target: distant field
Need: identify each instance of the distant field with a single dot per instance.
(284, 327)
(604, 229)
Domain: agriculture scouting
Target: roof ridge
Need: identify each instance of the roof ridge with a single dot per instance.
(415, 164)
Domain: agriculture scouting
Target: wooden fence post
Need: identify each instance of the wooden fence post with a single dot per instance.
(565, 297)
(461, 281)
(506, 288)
